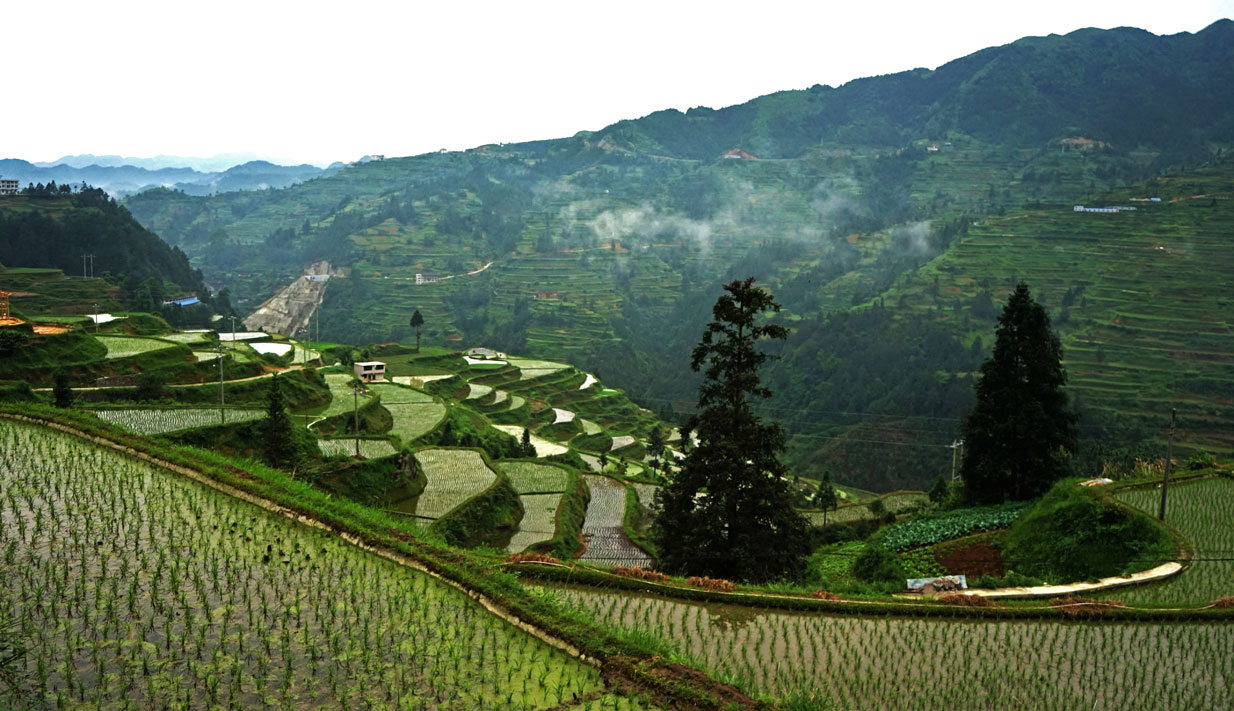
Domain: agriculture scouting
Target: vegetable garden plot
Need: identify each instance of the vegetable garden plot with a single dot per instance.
(158, 421)
(454, 475)
(1203, 511)
(369, 448)
(539, 520)
(875, 662)
(134, 588)
(607, 542)
(126, 347)
(533, 478)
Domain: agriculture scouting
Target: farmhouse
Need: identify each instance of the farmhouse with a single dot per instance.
(9, 186)
(486, 353)
(370, 370)
(426, 278)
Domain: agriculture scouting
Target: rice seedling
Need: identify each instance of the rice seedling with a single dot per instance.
(128, 346)
(874, 662)
(454, 475)
(134, 588)
(536, 478)
(369, 448)
(607, 542)
(148, 421)
(1200, 511)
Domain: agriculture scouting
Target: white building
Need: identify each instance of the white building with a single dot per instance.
(9, 186)
(426, 278)
(370, 370)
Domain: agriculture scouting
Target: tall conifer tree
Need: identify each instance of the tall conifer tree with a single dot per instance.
(1021, 426)
(729, 512)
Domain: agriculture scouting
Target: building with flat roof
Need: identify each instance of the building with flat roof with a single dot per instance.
(9, 186)
(370, 370)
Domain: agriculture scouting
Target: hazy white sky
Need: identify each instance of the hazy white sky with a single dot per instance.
(318, 82)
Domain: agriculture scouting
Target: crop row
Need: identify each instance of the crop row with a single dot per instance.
(1201, 511)
(876, 662)
(134, 588)
(929, 529)
(369, 448)
(454, 475)
(158, 421)
(535, 478)
(607, 542)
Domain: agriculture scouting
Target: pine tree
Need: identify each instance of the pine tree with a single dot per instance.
(62, 391)
(416, 322)
(1021, 426)
(526, 448)
(276, 429)
(729, 512)
(826, 498)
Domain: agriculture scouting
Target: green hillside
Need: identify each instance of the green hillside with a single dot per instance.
(607, 249)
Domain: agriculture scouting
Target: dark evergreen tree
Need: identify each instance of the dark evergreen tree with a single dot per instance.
(416, 322)
(61, 390)
(826, 498)
(1017, 434)
(729, 512)
(526, 448)
(276, 429)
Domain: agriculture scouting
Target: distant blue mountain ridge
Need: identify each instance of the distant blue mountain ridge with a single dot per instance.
(123, 179)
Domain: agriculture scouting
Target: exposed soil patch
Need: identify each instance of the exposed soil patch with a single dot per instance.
(973, 556)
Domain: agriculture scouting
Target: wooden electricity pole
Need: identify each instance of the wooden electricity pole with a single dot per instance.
(1169, 457)
(355, 392)
(222, 417)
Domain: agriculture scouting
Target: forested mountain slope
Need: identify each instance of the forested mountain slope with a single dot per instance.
(608, 248)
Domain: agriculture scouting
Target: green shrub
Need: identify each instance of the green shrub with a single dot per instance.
(1201, 460)
(1077, 533)
(876, 564)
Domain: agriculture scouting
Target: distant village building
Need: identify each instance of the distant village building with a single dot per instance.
(932, 148)
(1111, 209)
(546, 295)
(486, 353)
(186, 301)
(738, 154)
(426, 278)
(9, 186)
(370, 370)
(318, 277)
(376, 157)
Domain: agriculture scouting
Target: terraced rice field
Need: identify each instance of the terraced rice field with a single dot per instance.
(544, 448)
(415, 413)
(476, 391)
(454, 475)
(206, 356)
(621, 441)
(341, 399)
(607, 542)
(279, 349)
(528, 363)
(590, 427)
(369, 448)
(1203, 511)
(646, 494)
(539, 521)
(876, 663)
(560, 416)
(189, 339)
(127, 347)
(135, 588)
(534, 478)
(895, 502)
(151, 421)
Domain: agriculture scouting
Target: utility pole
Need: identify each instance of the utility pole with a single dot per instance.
(956, 446)
(96, 318)
(355, 392)
(222, 417)
(84, 273)
(1169, 457)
